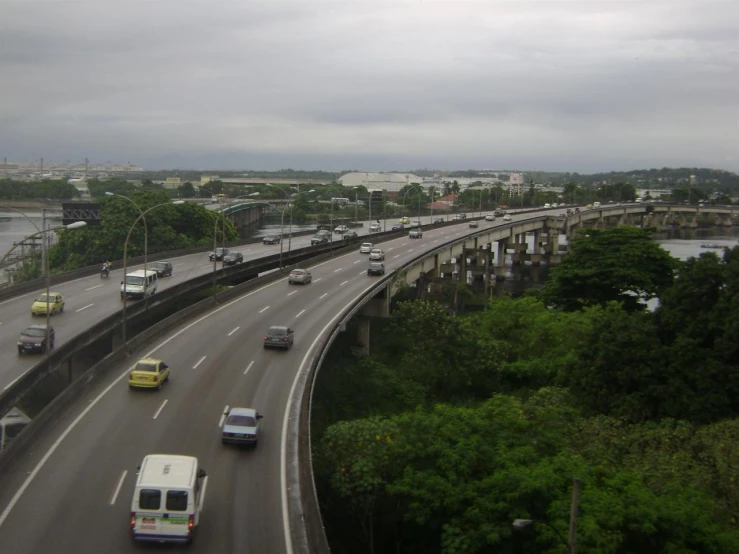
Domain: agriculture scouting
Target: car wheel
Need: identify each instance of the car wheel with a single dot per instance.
(159, 386)
(62, 308)
(166, 379)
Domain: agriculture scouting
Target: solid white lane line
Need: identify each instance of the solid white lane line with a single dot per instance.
(204, 266)
(357, 261)
(200, 361)
(437, 240)
(404, 244)
(344, 283)
(232, 332)
(337, 270)
(95, 287)
(315, 281)
(223, 416)
(12, 382)
(159, 411)
(301, 313)
(118, 487)
(248, 367)
(410, 250)
(85, 307)
(323, 295)
(396, 256)
(264, 309)
(291, 293)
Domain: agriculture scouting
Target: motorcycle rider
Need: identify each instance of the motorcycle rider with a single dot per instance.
(106, 267)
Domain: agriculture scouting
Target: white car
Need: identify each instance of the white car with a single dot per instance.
(375, 228)
(490, 217)
(341, 229)
(473, 224)
(377, 255)
(507, 217)
(366, 248)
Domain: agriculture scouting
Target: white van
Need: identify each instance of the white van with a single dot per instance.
(168, 498)
(596, 204)
(139, 284)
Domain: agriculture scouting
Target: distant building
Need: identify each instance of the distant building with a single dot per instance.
(172, 182)
(391, 182)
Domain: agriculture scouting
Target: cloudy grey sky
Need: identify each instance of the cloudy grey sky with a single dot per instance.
(372, 85)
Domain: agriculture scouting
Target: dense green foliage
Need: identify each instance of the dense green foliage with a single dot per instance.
(170, 227)
(455, 426)
(619, 264)
(41, 190)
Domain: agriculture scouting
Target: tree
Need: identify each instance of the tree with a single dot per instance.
(621, 264)
(187, 190)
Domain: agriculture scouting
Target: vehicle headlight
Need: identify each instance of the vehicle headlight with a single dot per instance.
(19, 343)
(37, 344)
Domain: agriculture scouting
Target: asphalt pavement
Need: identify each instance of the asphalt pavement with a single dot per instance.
(71, 491)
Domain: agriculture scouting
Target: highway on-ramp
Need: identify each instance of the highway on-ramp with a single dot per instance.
(70, 492)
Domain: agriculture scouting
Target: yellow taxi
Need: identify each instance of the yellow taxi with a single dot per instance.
(148, 373)
(405, 220)
(54, 301)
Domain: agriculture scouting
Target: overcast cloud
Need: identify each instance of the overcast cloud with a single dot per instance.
(580, 86)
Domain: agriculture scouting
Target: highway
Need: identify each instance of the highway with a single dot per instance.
(88, 300)
(71, 490)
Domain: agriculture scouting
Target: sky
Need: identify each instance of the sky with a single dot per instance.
(371, 85)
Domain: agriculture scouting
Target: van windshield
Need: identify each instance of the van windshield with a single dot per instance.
(133, 280)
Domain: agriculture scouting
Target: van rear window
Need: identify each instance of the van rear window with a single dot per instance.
(177, 501)
(150, 499)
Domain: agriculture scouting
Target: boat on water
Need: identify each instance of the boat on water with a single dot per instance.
(713, 245)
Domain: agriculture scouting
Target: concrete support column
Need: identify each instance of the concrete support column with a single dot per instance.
(500, 269)
(363, 334)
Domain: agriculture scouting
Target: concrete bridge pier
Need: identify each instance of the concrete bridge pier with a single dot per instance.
(500, 268)
(519, 248)
(363, 334)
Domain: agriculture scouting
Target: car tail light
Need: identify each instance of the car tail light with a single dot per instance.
(156, 379)
(266, 338)
(133, 519)
(191, 522)
(284, 340)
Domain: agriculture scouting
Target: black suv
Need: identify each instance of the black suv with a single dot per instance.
(33, 339)
(218, 254)
(233, 258)
(163, 268)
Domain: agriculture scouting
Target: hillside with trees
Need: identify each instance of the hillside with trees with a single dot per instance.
(454, 426)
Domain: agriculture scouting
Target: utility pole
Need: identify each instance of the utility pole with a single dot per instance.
(574, 509)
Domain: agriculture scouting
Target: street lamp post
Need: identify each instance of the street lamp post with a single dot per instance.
(282, 222)
(125, 264)
(219, 215)
(146, 228)
(44, 233)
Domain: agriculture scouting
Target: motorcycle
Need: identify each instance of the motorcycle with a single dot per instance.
(105, 273)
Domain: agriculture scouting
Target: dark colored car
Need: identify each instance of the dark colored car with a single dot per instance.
(350, 235)
(163, 268)
(279, 337)
(320, 239)
(233, 258)
(376, 268)
(397, 227)
(218, 254)
(438, 220)
(272, 239)
(33, 339)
